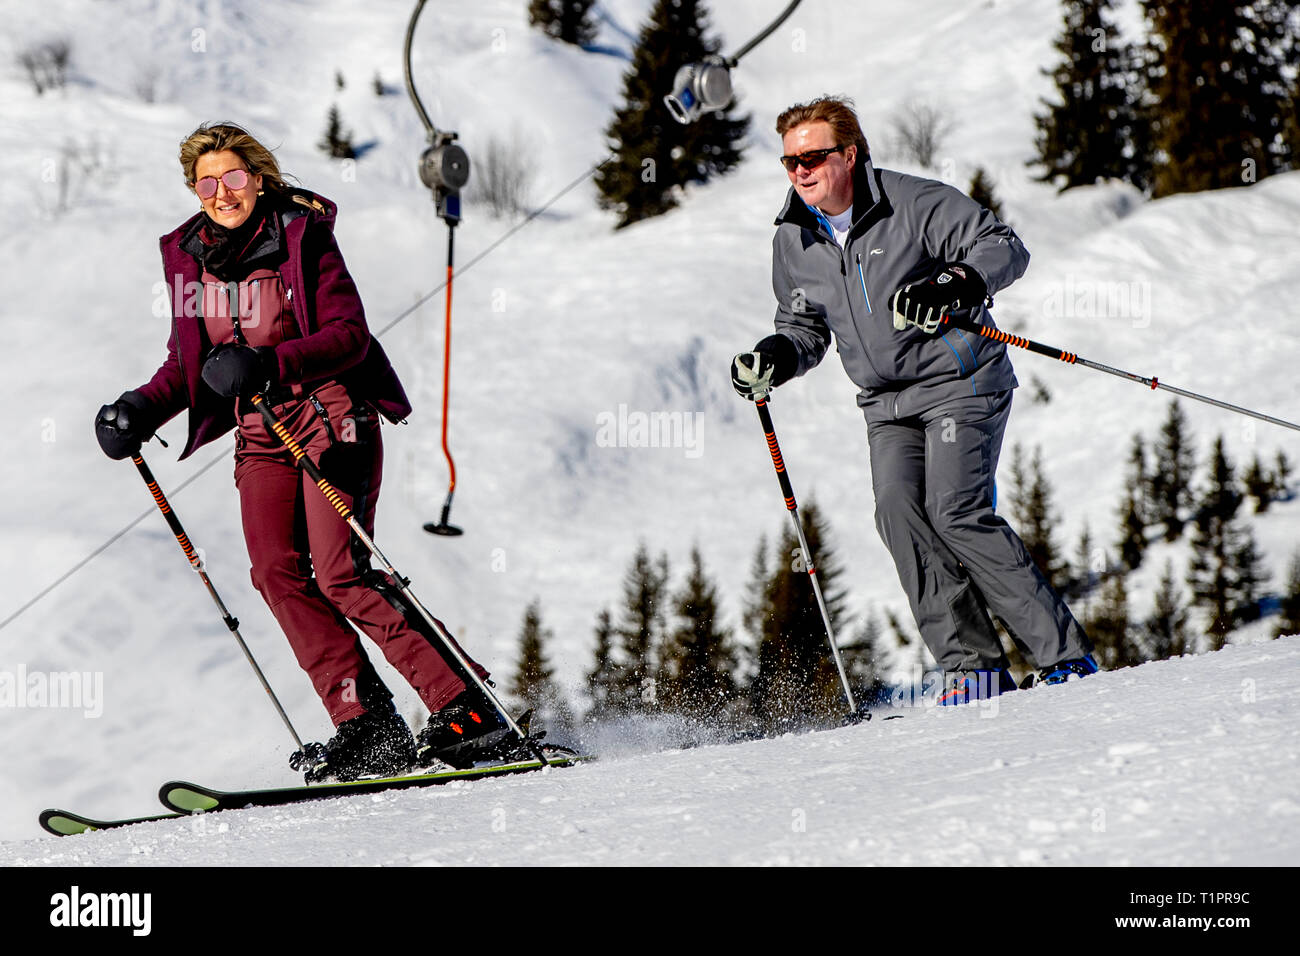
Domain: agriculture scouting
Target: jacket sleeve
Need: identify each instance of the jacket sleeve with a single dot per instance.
(955, 228)
(342, 336)
(796, 318)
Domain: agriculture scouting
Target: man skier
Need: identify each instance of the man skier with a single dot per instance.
(876, 259)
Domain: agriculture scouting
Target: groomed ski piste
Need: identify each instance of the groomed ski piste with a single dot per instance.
(1189, 761)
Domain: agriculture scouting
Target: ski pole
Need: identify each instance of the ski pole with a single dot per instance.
(1071, 358)
(403, 584)
(779, 463)
(197, 563)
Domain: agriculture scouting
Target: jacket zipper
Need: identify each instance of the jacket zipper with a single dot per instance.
(863, 279)
(231, 292)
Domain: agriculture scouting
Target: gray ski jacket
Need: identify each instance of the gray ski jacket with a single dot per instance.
(904, 230)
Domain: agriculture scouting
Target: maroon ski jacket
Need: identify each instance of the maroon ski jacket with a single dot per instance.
(335, 341)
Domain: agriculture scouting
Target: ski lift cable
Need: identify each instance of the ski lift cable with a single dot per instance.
(767, 31)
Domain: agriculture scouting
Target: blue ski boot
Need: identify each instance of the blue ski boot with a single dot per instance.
(1063, 671)
(965, 687)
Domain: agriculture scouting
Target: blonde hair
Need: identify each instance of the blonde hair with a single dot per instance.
(216, 137)
(834, 110)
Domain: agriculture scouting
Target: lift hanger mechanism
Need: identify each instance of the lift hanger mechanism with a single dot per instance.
(444, 169)
(706, 87)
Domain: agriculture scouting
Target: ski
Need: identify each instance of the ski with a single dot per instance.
(66, 823)
(184, 797)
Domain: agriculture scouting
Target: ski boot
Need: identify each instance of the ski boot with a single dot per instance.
(377, 743)
(467, 729)
(1063, 671)
(966, 687)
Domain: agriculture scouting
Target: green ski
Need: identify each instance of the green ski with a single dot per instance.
(184, 797)
(65, 823)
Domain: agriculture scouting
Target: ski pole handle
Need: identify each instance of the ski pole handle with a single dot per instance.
(778, 462)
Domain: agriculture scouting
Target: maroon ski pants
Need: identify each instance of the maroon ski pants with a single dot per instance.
(313, 572)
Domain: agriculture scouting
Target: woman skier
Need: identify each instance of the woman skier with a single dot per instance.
(263, 303)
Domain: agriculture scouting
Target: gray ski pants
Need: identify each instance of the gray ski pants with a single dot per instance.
(933, 477)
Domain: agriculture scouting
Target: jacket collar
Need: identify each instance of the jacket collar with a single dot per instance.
(866, 183)
(299, 203)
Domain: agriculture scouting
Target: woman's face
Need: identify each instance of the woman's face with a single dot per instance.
(226, 207)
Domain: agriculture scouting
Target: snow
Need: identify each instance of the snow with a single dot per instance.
(561, 324)
(1186, 762)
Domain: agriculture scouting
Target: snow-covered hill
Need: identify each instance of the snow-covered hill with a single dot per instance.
(561, 324)
(1188, 762)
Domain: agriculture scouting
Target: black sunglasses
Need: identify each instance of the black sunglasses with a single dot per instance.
(809, 160)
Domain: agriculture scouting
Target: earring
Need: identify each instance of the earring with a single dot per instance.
(260, 193)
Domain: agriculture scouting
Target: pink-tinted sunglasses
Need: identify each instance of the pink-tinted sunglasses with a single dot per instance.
(233, 178)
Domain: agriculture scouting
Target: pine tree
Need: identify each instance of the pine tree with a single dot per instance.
(1222, 498)
(534, 682)
(654, 154)
(1164, 632)
(532, 672)
(1289, 618)
(641, 631)
(981, 190)
(336, 143)
(1099, 127)
(797, 683)
(601, 679)
(1223, 93)
(1031, 513)
(1282, 476)
(1133, 509)
(1109, 627)
(1223, 573)
(696, 673)
(1170, 489)
(758, 605)
(1251, 577)
(1259, 484)
(569, 21)
(1085, 574)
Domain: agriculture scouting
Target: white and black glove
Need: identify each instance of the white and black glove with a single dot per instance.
(924, 304)
(772, 362)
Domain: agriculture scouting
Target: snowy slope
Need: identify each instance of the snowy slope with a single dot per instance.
(561, 324)
(1189, 762)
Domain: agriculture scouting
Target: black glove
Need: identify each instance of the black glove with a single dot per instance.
(238, 370)
(924, 304)
(773, 362)
(124, 426)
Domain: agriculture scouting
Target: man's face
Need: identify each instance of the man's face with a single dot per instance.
(829, 187)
